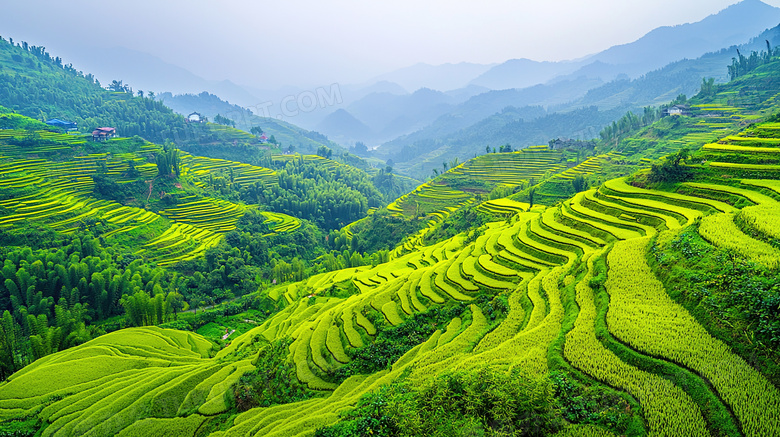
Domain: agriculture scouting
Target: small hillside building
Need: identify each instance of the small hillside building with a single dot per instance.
(55, 122)
(103, 133)
(677, 110)
(196, 117)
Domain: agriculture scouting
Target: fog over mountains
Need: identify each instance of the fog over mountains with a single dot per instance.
(431, 103)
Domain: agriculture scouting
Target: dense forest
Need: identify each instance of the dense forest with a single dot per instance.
(199, 281)
(42, 87)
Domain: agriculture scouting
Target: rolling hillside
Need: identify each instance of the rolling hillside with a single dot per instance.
(573, 107)
(209, 105)
(552, 268)
(57, 188)
(645, 305)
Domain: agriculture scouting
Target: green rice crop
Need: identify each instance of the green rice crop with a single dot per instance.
(753, 196)
(657, 395)
(720, 230)
(642, 315)
(620, 187)
(740, 149)
(755, 167)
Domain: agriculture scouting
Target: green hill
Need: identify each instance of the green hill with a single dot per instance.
(629, 289)
(117, 223)
(37, 85)
(209, 105)
(510, 121)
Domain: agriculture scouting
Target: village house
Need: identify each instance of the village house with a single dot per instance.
(196, 117)
(677, 110)
(103, 133)
(68, 125)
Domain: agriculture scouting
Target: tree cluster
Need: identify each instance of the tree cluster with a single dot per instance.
(168, 161)
(219, 119)
(671, 168)
(629, 123)
(41, 87)
(329, 196)
(324, 152)
(49, 297)
(290, 256)
(742, 65)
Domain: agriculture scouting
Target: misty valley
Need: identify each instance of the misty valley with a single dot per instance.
(585, 247)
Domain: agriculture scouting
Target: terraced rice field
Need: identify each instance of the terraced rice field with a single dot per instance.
(752, 151)
(503, 207)
(511, 168)
(538, 261)
(136, 373)
(530, 260)
(54, 143)
(214, 215)
(588, 167)
(59, 195)
(740, 149)
(281, 223)
(324, 162)
(244, 174)
(415, 241)
(180, 242)
(429, 198)
(438, 199)
(752, 167)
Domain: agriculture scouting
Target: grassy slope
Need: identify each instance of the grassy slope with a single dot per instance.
(573, 274)
(47, 178)
(287, 134)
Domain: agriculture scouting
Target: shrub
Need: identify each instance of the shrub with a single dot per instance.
(474, 402)
(272, 382)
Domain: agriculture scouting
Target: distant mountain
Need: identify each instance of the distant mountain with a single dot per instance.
(522, 73)
(442, 77)
(389, 116)
(382, 116)
(733, 25)
(463, 94)
(343, 127)
(680, 77)
(486, 104)
(456, 134)
(330, 97)
(563, 86)
(210, 105)
(353, 93)
(143, 71)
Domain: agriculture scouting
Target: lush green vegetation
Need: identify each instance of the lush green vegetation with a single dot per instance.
(51, 295)
(272, 381)
(476, 402)
(735, 297)
(135, 208)
(38, 85)
(518, 293)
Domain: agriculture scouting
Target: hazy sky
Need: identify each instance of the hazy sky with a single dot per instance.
(306, 42)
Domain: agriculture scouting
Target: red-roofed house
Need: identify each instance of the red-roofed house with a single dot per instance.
(103, 133)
